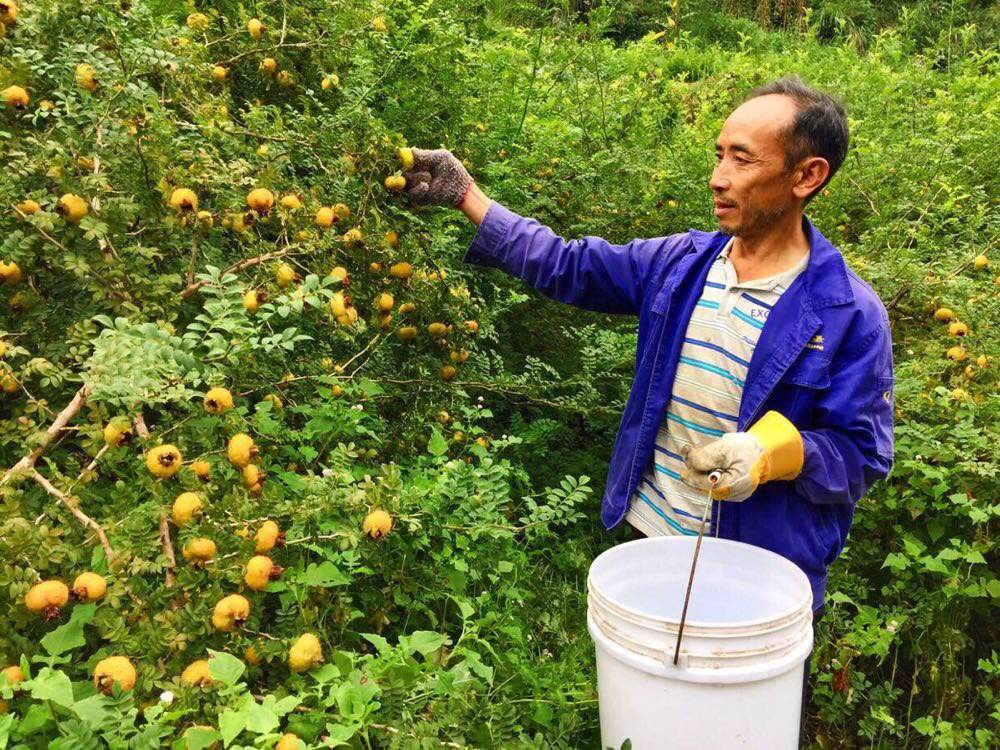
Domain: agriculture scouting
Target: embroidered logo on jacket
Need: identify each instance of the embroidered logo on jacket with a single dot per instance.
(816, 342)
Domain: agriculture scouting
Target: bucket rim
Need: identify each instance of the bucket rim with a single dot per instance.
(805, 601)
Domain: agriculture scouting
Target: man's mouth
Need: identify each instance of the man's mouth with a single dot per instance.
(722, 208)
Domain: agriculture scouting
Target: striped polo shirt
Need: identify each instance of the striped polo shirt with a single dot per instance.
(707, 390)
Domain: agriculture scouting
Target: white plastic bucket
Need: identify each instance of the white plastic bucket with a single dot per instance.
(738, 681)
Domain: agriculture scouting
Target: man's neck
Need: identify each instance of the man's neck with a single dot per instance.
(775, 249)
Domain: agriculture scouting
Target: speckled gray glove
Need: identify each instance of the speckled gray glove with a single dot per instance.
(434, 176)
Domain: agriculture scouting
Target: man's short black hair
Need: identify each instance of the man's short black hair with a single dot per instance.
(819, 127)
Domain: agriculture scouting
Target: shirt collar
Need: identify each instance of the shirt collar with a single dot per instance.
(768, 283)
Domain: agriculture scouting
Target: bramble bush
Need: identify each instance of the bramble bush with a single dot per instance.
(372, 370)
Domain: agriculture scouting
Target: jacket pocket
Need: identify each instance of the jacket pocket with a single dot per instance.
(809, 372)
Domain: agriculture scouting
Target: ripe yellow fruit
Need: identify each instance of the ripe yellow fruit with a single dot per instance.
(957, 329)
(406, 158)
(378, 23)
(197, 674)
(230, 613)
(341, 211)
(401, 270)
(406, 308)
(251, 475)
(288, 741)
(117, 432)
(291, 202)
(349, 317)
(72, 208)
(392, 238)
(458, 436)
(183, 199)
(205, 219)
(325, 217)
(330, 81)
(437, 329)
(443, 417)
(338, 304)
(47, 598)
(406, 332)
(218, 400)
(956, 354)
(9, 383)
(339, 273)
(202, 469)
(260, 200)
(285, 78)
(337, 391)
(285, 275)
(29, 207)
(471, 326)
(199, 550)
(14, 675)
(220, 74)
(163, 461)
(980, 262)
(256, 28)
(8, 12)
(395, 182)
(305, 653)
(260, 571)
(241, 449)
(447, 372)
(15, 97)
(944, 314)
(377, 524)
(275, 400)
(268, 537)
(251, 655)
(197, 21)
(385, 302)
(86, 76)
(89, 587)
(352, 237)
(186, 506)
(982, 360)
(269, 65)
(114, 670)
(959, 394)
(459, 356)
(252, 300)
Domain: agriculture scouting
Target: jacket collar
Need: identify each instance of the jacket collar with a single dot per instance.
(825, 275)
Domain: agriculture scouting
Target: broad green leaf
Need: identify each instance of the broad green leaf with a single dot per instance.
(69, 635)
(324, 574)
(225, 668)
(52, 685)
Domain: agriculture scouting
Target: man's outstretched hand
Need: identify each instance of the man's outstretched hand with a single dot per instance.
(434, 176)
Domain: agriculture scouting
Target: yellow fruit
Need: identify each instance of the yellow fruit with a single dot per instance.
(14, 676)
(183, 199)
(252, 300)
(443, 417)
(944, 314)
(268, 537)
(260, 200)
(958, 329)
(288, 741)
(89, 587)
(981, 360)
(330, 81)
(230, 613)
(197, 22)
(205, 219)
(378, 23)
(325, 217)
(406, 158)
(338, 303)
(199, 550)
(8, 12)
(186, 506)
(447, 372)
(9, 383)
(117, 432)
(305, 653)
(29, 207)
(406, 332)
(285, 78)
(163, 461)
(241, 449)
(269, 65)
(339, 273)
(459, 356)
(980, 262)
(406, 308)
(15, 97)
(958, 394)
(341, 211)
(471, 326)
(352, 237)
(197, 674)
(395, 182)
(220, 74)
(385, 302)
(377, 524)
(251, 655)
(114, 670)
(956, 354)
(47, 104)
(72, 208)
(260, 571)
(47, 598)
(458, 436)
(285, 275)
(437, 329)
(349, 317)
(291, 202)
(86, 76)
(218, 400)
(483, 442)
(391, 238)
(401, 270)
(275, 400)
(256, 28)
(337, 391)
(251, 475)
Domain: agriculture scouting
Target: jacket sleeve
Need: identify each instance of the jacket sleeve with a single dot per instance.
(589, 273)
(853, 446)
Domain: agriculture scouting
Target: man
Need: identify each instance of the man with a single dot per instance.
(760, 355)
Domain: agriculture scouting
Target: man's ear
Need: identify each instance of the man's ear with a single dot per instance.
(809, 175)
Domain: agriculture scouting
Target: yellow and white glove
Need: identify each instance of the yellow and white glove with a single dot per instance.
(769, 450)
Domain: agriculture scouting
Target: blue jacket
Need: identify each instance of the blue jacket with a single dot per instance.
(824, 360)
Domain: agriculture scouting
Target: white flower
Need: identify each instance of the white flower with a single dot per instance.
(327, 472)
(480, 398)
(166, 697)
(891, 627)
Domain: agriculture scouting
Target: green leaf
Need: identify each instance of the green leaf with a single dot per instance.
(380, 643)
(436, 444)
(231, 723)
(70, 635)
(52, 685)
(200, 738)
(896, 561)
(422, 641)
(325, 575)
(94, 711)
(224, 667)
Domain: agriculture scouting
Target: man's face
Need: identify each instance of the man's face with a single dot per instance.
(749, 166)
